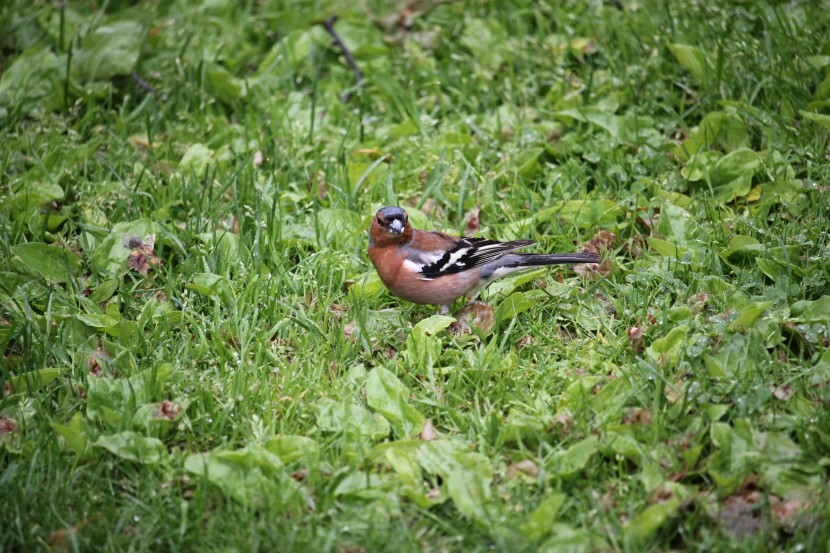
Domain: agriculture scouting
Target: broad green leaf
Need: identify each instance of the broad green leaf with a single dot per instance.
(37, 194)
(423, 348)
(517, 302)
(622, 128)
(432, 325)
(567, 539)
(293, 448)
(97, 320)
(817, 118)
(585, 213)
(359, 484)
(724, 130)
(742, 249)
(487, 40)
(51, 262)
(692, 59)
(700, 165)
(821, 370)
(104, 290)
(777, 272)
(732, 175)
(196, 158)
(367, 285)
(338, 417)
(565, 463)
(505, 286)
(35, 79)
(668, 348)
(667, 249)
(208, 284)
(538, 523)
(224, 86)
(811, 311)
(388, 396)
(108, 51)
(527, 163)
(402, 460)
(32, 381)
(646, 523)
(223, 244)
(676, 224)
(72, 433)
(622, 441)
(108, 399)
(748, 316)
(251, 475)
(467, 475)
(133, 447)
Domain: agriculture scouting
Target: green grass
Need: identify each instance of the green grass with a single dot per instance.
(257, 389)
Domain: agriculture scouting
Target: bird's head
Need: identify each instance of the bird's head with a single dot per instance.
(391, 225)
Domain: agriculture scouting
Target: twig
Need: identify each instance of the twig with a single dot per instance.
(147, 87)
(358, 74)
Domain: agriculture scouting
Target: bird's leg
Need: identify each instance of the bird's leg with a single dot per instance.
(444, 310)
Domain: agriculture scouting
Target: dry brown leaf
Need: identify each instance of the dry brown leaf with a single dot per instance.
(603, 241)
(594, 271)
(637, 416)
(373, 153)
(169, 409)
(473, 221)
(783, 392)
(141, 258)
(96, 361)
(428, 432)
(142, 141)
(525, 467)
(739, 515)
(349, 330)
(7, 425)
(475, 314)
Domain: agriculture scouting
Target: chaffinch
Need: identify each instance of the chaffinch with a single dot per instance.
(436, 268)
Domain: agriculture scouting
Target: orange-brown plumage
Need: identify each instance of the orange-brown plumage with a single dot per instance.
(436, 268)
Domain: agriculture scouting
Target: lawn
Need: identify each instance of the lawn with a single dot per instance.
(199, 356)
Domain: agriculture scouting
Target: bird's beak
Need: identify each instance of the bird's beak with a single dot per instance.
(396, 227)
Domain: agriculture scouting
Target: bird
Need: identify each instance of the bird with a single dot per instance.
(430, 267)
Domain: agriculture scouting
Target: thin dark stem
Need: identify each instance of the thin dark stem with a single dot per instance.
(144, 85)
(358, 74)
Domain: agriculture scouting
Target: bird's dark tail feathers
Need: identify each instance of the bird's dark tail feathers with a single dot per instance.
(534, 259)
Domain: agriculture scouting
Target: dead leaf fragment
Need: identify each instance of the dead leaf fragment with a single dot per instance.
(475, 314)
(473, 222)
(638, 416)
(594, 271)
(525, 467)
(428, 432)
(740, 516)
(141, 258)
(603, 241)
(98, 359)
(783, 392)
(7, 425)
(169, 409)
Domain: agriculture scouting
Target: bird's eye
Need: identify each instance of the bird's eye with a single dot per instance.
(380, 221)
